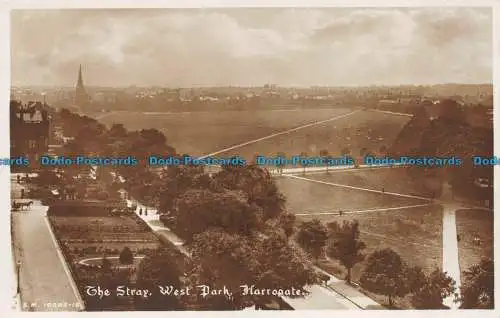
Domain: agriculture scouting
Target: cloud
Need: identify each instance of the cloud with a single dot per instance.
(184, 47)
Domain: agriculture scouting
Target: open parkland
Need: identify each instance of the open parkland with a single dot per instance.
(392, 210)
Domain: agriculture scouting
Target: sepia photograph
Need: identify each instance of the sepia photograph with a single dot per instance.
(251, 158)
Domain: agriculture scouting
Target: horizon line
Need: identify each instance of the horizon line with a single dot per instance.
(256, 86)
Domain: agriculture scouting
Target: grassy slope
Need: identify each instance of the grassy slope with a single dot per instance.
(469, 224)
(200, 133)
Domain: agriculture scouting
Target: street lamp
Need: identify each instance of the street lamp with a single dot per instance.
(18, 269)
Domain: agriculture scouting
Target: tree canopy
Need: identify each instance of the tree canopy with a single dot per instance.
(477, 290)
(345, 245)
(198, 210)
(232, 260)
(159, 268)
(385, 274)
(126, 256)
(436, 287)
(312, 236)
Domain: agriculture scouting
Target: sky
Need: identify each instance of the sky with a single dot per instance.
(246, 47)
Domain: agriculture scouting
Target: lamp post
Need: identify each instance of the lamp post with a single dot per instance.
(18, 270)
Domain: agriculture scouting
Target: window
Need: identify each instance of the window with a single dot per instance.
(32, 144)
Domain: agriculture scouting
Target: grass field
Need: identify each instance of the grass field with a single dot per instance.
(472, 223)
(309, 197)
(415, 234)
(364, 129)
(391, 179)
(199, 133)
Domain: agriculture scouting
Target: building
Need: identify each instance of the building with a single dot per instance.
(29, 130)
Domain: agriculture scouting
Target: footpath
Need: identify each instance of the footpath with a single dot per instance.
(45, 281)
(334, 294)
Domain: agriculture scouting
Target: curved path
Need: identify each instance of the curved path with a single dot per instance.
(346, 212)
(85, 260)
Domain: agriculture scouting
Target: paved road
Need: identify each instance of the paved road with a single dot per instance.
(44, 279)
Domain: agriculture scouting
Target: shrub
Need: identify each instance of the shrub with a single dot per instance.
(126, 256)
(103, 195)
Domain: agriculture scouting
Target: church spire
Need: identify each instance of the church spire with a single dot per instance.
(81, 97)
(80, 78)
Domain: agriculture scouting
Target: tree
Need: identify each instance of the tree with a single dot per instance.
(312, 237)
(177, 180)
(232, 260)
(436, 287)
(325, 156)
(477, 290)
(416, 279)
(102, 195)
(363, 152)
(287, 222)
(153, 137)
(346, 245)
(285, 266)
(223, 259)
(255, 158)
(117, 131)
(281, 164)
(303, 161)
(385, 275)
(451, 111)
(198, 210)
(258, 185)
(126, 256)
(105, 264)
(383, 150)
(159, 268)
(345, 151)
(47, 177)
